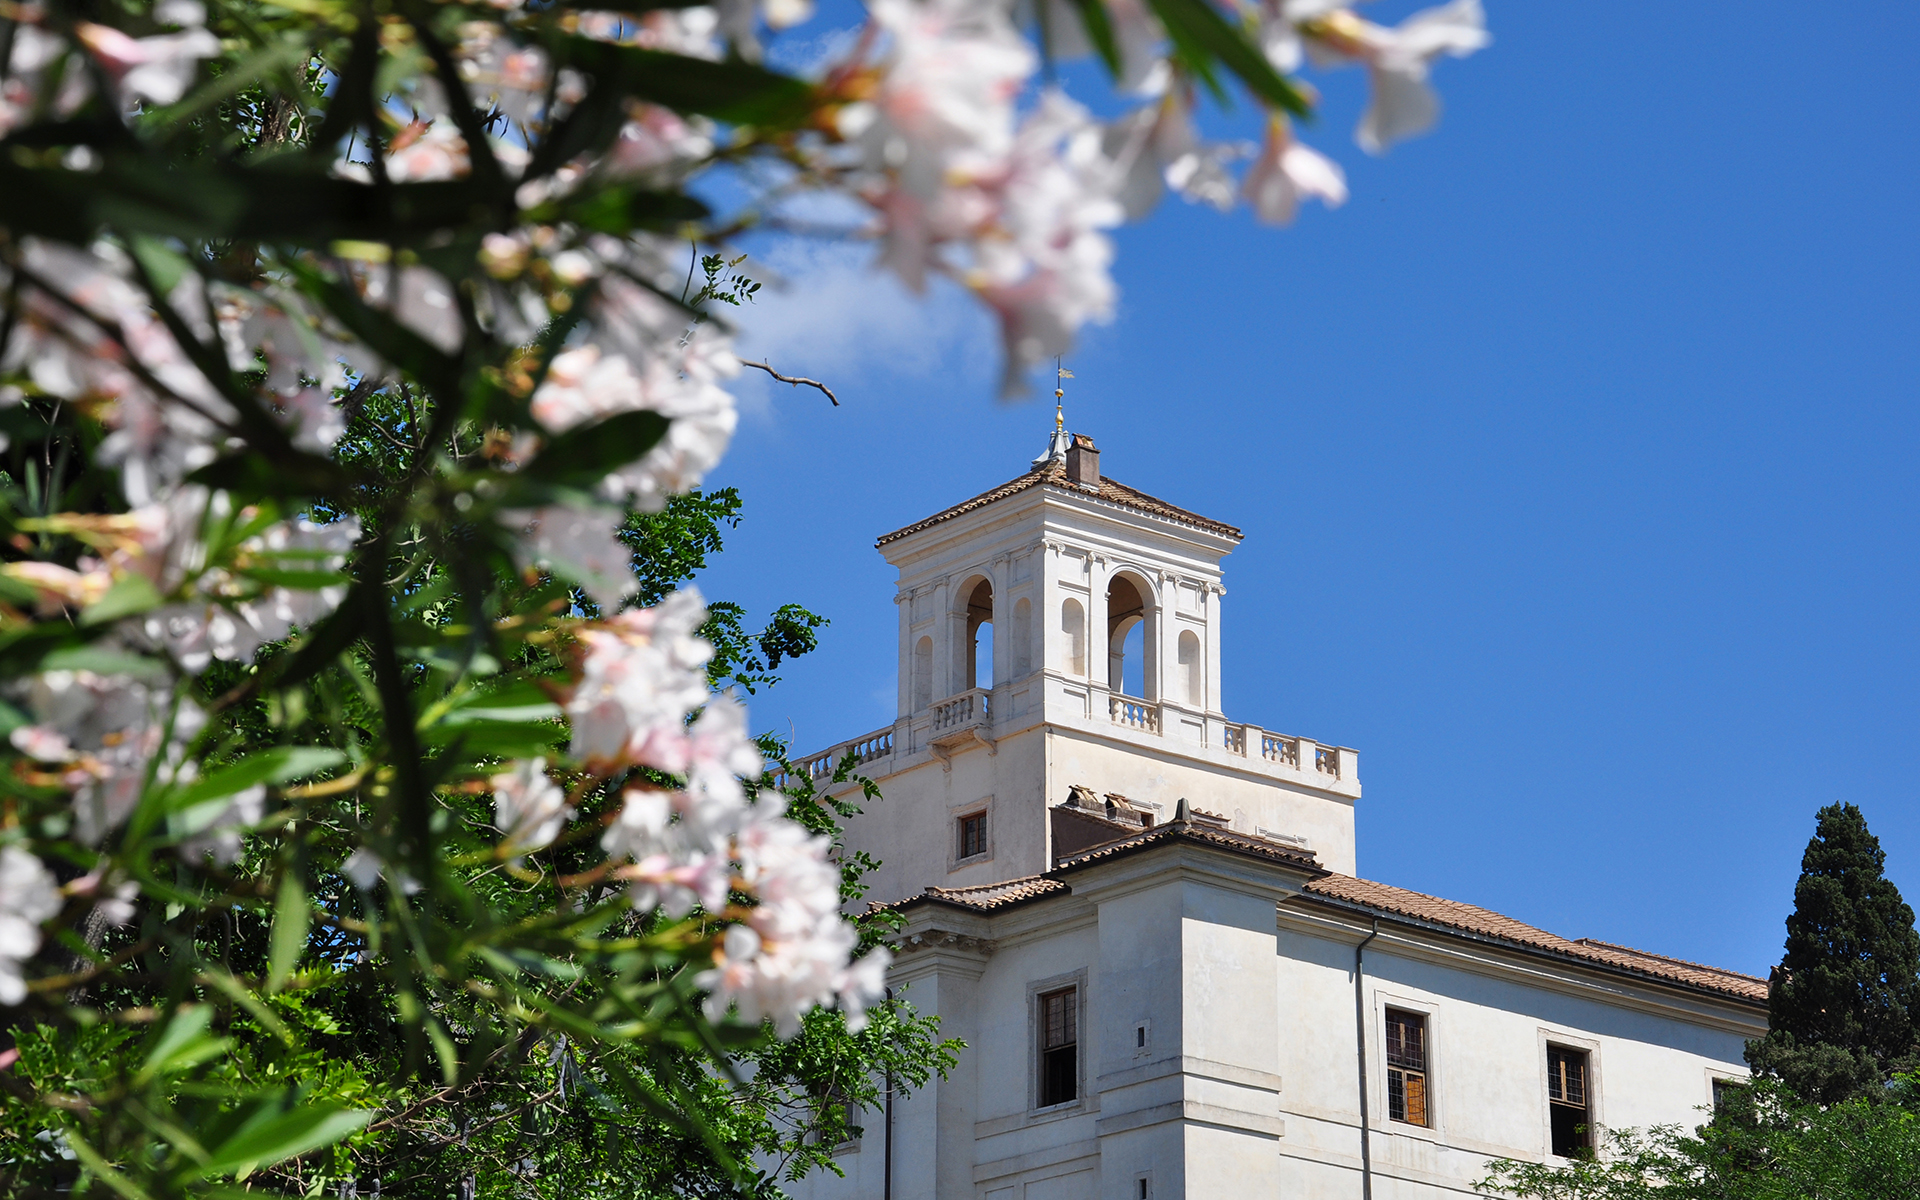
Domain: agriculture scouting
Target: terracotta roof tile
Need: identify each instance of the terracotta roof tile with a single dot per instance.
(1194, 831)
(989, 896)
(1469, 918)
(1054, 474)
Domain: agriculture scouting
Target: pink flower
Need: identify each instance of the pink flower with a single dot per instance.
(529, 808)
(1287, 172)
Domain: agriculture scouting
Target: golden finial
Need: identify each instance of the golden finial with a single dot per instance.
(1059, 395)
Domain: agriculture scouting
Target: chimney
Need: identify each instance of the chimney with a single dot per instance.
(1083, 461)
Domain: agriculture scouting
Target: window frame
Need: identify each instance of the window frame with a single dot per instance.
(1718, 1079)
(1036, 989)
(1379, 1111)
(1424, 1072)
(1555, 1039)
(958, 813)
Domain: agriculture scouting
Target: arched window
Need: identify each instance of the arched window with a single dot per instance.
(1022, 646)
(1129, 638)
(922, 673)
(1193, 683)
(979, 643)
(1073, 637)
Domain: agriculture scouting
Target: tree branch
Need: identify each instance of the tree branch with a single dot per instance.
(794, 380)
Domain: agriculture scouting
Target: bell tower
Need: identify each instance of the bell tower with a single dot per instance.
(1060, 664)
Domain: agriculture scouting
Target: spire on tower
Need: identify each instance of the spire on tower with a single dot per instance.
(1057, 448)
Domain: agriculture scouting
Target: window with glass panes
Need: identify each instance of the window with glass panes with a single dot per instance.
(1569, 1108)
(1059, 1047)
(973, 835)
(1406, 1067)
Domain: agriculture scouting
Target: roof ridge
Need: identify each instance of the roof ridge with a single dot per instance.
(1684, 962)
(1485, 922)
(1055, 474)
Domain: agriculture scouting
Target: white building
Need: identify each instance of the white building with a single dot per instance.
(1142, 916)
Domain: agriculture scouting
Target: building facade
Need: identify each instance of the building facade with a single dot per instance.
(1144, 920)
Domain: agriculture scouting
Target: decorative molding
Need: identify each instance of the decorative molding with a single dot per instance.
(940, 939)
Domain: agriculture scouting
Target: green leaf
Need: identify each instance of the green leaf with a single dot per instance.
(583, 455)
(265, 1142)
(253, 475)
(391, 340)
(103, 660)
(164, 265)
(1199, 30)
(278, 765)
(184, 1043)
(1099, 27)
(619, 210)
(734, 91)
(290, 917)
(129, 594)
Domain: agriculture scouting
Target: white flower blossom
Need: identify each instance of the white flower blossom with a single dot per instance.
(1286, 173)
(791, 951)
(529, 808)
(1045, 267)
(157, 69)
(1398, 61)
(641, 673)
(28, 897)
(109, 730)
(580, 543)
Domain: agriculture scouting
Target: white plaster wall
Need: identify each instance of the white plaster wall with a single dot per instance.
(1249, 1023)
(1652, 1056)
(913, 828)
(1251, 802)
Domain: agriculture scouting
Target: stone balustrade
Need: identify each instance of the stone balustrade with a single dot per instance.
(867, 748)
(1136, 714)
(949, 723)
(971, 707)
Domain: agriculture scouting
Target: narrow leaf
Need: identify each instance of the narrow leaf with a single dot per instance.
(129, 594)
(583, 455)
(282, 1137)
(1199, 29)
(278, 765)
(290, 917)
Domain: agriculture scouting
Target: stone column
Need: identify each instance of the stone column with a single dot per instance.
(933, 1136)
(1211, 607)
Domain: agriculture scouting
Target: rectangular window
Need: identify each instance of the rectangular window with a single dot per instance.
(973, 835)
(1407, 1067)
(1569, 1107)
(1725, 1091)
(1059, 1047)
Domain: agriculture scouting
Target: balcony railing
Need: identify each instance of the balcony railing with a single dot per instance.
(1283, 750)
(878, 744)
(974, 707)
(1135, 714)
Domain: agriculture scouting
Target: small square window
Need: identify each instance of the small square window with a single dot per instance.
(1059, 1047)
(1407, 1067)
(1569, 1103)
(973, 835)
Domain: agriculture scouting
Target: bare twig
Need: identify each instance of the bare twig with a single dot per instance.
(795, 380)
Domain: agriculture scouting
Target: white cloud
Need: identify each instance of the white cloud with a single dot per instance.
(830, 316)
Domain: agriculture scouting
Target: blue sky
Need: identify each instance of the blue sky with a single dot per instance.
(1575, 456)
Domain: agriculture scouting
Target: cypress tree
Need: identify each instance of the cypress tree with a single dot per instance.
(1844, 1003)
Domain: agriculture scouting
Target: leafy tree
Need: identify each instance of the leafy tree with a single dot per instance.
(1844, 1003)
(1767, 1144)
(366, 810)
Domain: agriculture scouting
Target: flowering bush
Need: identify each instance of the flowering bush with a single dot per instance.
(353, 796)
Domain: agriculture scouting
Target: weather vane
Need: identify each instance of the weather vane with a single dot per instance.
(1059, 395)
